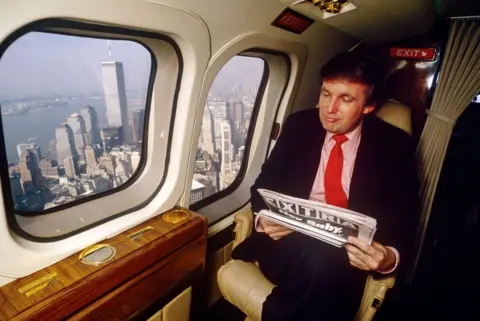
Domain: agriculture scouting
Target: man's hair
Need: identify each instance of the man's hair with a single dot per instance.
(352, 67)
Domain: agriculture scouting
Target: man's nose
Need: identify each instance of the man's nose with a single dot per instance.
(332, 106)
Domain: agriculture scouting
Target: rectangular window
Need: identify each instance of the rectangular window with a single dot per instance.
(73, 115)
(225, 125)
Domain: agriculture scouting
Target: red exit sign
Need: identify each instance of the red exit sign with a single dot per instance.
(413, 53)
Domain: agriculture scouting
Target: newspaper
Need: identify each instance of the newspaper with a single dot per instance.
(325, 222)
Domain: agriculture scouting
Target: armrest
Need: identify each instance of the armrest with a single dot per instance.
(243, 225)
(243, 285)
(373, 296)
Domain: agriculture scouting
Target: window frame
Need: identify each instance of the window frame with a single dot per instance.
(288, 84)
(97, 31)
(248, 142)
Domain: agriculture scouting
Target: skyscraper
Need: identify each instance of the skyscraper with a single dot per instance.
(30, 173)
(49, 168)
(91, 125)
(138, 118)
(207, 141)
(31, 146)
(65, 143)
(16, 186)
(111, 137)
(135, 160)
(116, 97)
(235, 112)
(52, 150)
(227, 148)
(107, 163)
(90, 158)
(77, 124)
(219, 112)
(70, 169)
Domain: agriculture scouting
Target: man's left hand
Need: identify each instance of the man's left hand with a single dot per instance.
(364, 256)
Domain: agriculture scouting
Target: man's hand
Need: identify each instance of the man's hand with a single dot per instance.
(364, 256)
(274, 230)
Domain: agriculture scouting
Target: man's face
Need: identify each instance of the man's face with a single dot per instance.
(342, 105)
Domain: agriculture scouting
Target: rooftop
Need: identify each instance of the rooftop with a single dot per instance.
(196, 185)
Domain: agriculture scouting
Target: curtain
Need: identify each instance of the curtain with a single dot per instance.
(458, 84)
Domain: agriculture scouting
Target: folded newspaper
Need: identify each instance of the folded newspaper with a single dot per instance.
(325, 222)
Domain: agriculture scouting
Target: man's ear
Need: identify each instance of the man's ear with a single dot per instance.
(368, 109)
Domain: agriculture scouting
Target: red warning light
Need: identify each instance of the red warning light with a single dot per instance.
(292, 21)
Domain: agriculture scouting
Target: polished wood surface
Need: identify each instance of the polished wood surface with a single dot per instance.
(78, 287)
(139, 292)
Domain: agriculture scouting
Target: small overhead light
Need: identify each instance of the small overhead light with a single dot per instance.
(321, 4)
(322, 9)
(330, 6)
(335, 6)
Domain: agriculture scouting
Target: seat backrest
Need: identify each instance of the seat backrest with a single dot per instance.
(397, 114)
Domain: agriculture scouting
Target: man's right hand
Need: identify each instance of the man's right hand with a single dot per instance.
(272, 229)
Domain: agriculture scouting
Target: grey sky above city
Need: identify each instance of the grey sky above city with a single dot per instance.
(48, 64)
(42, 64)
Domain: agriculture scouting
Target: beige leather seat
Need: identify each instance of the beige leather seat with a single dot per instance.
(244, 285)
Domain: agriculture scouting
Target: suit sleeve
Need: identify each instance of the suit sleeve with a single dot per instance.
(273, 169)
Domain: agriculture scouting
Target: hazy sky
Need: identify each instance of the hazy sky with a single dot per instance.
(39, 64)
(45, 64)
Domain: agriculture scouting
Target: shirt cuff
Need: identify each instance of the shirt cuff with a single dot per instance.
(397, 260)
(258, 228)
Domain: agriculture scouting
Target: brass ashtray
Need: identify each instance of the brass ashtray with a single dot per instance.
(176, 216)
(97, 254)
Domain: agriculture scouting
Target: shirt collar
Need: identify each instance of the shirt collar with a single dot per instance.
(353, 136)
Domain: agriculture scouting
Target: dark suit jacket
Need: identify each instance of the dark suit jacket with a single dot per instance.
(383, 185)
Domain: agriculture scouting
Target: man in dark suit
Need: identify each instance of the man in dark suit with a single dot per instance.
(342, 155)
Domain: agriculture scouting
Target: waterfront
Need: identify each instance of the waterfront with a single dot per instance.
(40, 123)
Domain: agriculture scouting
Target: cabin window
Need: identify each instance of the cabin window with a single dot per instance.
(75, 101)
(73, 114)
(226, 125)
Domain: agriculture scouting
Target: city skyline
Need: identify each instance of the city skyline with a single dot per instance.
(96, 146)
(84, 159)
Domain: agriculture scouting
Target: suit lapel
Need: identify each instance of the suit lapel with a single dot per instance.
(307, 162)
(310, 160)
(364, 178)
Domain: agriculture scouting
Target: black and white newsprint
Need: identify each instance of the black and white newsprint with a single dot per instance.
(325, 222)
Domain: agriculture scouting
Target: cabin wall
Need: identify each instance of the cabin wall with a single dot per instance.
(322, 41)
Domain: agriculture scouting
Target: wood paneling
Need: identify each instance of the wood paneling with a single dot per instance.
(7, 310)
(76, 285)
(142, 291)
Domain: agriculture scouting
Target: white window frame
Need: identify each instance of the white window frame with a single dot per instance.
(278, 97)
(21, 254)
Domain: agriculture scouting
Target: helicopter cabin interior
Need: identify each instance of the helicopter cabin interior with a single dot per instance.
(133, 130)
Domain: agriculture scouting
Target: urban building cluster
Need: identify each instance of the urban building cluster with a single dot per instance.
(221, 146)
(83, 159)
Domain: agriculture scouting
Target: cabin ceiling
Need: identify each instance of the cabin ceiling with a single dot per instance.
(376, 21)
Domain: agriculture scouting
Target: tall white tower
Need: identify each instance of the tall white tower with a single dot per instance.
(207, 141)
(116, 97)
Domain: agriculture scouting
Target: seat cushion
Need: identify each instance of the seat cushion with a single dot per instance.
(243, 285)
(396, 114)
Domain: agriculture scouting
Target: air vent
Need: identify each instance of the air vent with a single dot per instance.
(320, 9)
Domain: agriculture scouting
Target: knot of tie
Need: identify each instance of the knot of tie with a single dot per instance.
(340, 139)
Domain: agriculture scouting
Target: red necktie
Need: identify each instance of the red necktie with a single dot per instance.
(334, 193)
